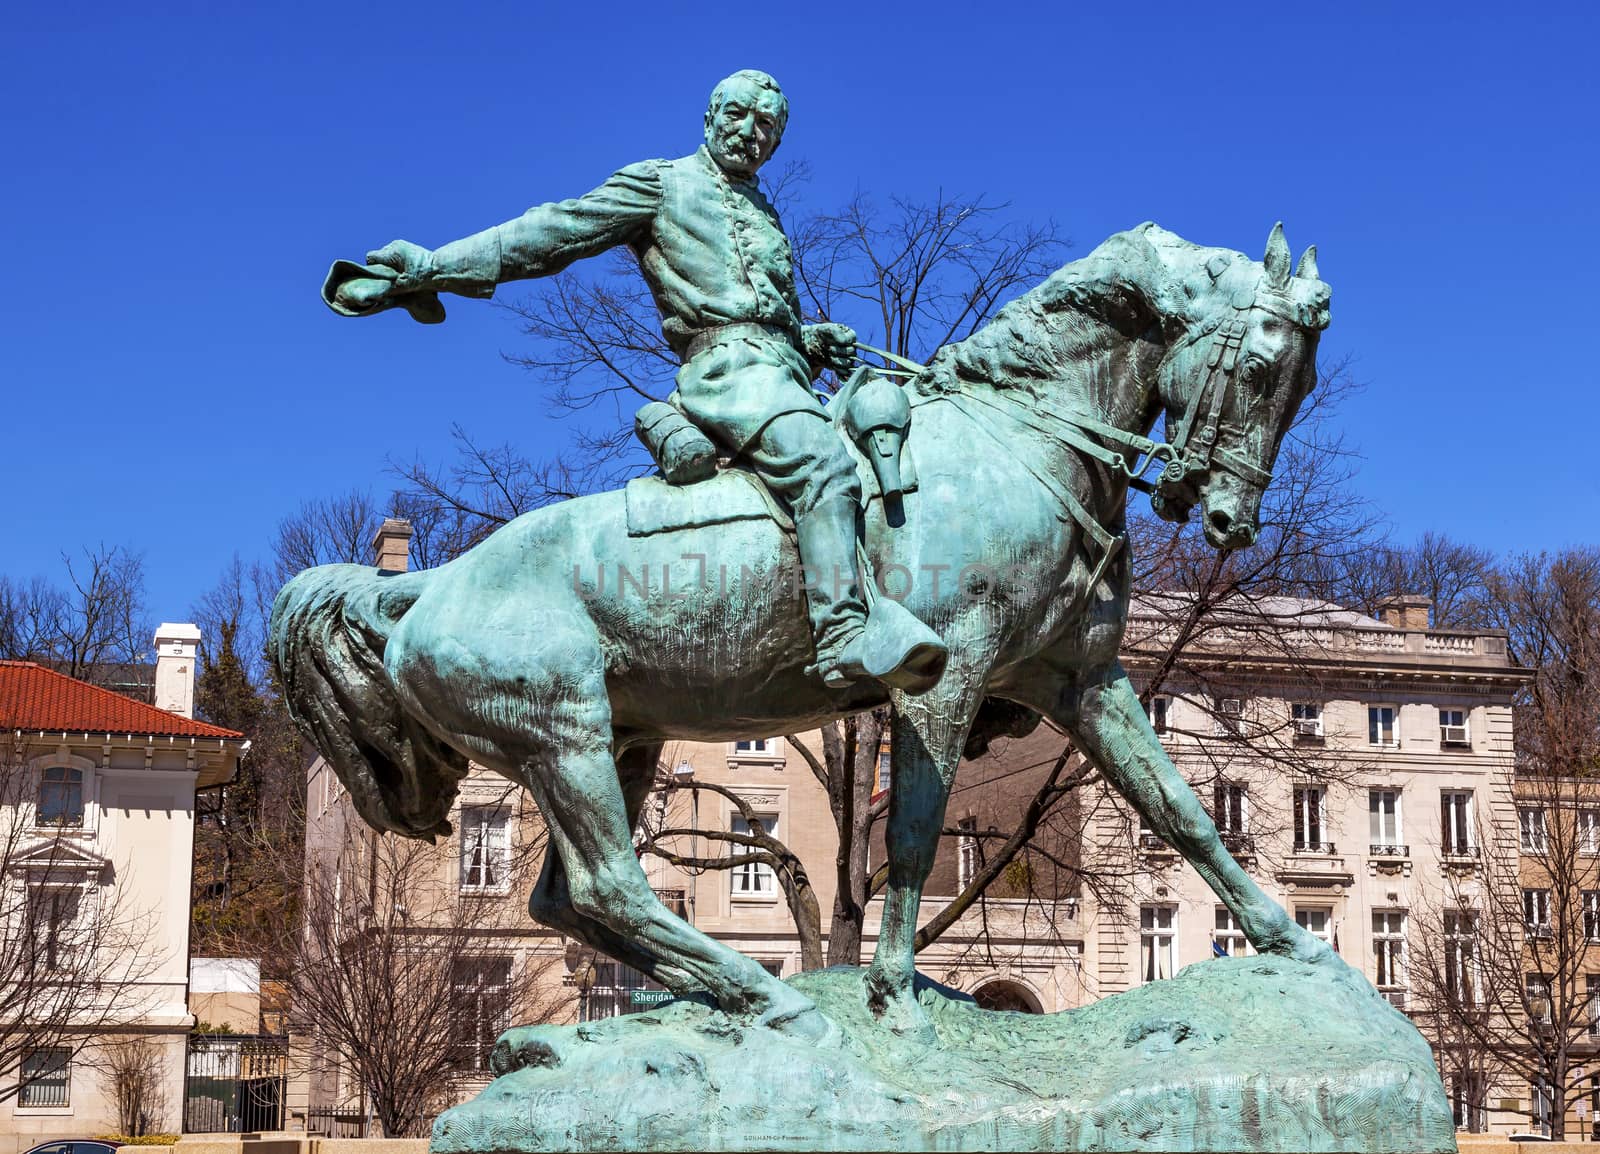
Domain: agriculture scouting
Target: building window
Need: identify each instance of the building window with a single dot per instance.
(1380, 725)
(480, 1009)
(1228, 940)
(1307, 717)
(53, 925)
(1316, 921)
(758, 747)
(45, 1079)
(1389, 948)
(1536, 912)
(1383, 821)
(1453, 727)
(1455, 810)
(1591, 1004)
(1530, 827)
(1469, 1101)
(1230, 715)
(1461, 957)
(1157, 709)
(1591, 915)
(485, 849)
(1542, 1105)
(1158, 941)
(885, 770)
(60, 797)
(1230, 809)
(1148, 839)
(969, 855)
(1589, 831)
(1310, 819)
(1536, 988)
(752, 879)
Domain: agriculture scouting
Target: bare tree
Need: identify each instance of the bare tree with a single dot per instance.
(847, 769)
(73, 953)
(401, 970)
(90, 628)
(132, 1067)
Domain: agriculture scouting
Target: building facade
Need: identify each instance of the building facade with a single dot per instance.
(96, 847)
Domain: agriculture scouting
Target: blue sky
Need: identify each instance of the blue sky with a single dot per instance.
(178, 178)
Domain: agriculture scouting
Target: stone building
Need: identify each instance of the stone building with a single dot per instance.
(97, 803)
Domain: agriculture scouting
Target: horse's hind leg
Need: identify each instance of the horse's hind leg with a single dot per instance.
(551, 903)
(577, 787)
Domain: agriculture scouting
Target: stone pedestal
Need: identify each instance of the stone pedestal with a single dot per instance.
(1235, 1054)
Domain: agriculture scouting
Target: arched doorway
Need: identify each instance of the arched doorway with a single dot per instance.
(1006, 995)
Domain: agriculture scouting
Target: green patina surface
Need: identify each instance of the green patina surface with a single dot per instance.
(1232, 1054)
(569, 646)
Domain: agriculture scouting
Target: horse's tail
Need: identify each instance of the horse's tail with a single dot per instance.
(329, 628)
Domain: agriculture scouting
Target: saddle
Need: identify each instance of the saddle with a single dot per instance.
(695, 487)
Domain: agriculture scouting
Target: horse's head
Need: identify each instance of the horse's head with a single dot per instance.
(1241, 357)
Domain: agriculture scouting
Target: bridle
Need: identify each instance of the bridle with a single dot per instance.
(1194, 453)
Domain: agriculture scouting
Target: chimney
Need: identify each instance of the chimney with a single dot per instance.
(391, 545)
(1407, 611)
(175, 657)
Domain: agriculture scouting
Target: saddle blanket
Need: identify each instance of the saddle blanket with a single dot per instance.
(732, 495)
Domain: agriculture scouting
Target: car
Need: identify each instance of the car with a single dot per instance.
(74, 1146)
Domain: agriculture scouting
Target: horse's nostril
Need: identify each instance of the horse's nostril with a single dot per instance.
(1221, 522)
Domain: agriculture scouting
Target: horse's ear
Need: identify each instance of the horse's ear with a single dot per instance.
(1277, 258)
(1307, 268)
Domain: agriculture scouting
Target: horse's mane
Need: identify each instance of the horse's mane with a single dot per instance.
(1143, 282)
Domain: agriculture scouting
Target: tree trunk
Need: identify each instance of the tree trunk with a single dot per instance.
(851, 751)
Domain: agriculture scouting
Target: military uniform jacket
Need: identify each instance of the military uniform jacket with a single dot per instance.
(713, 252)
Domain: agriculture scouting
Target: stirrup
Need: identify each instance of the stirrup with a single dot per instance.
(894, 648)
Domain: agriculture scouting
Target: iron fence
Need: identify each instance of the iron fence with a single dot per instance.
(334, 1123)
(234, 1083)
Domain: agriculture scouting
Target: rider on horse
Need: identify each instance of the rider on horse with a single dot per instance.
(715, 256)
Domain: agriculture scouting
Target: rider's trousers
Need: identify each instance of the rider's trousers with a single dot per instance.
(754, 397)
(802, 460)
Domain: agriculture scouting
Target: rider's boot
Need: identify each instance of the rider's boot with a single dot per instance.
(888, 643)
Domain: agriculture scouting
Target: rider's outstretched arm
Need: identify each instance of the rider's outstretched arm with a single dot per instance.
(542, 241)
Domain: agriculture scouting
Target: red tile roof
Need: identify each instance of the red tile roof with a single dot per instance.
(35, 698)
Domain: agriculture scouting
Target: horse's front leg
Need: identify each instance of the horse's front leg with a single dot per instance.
(1103, 715)
(929, 732)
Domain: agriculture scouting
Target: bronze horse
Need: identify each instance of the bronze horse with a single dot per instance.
(1026, 439)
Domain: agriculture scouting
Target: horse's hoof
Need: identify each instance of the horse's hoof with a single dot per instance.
(1303, 946)
(785, 1010)
(894, 1003)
